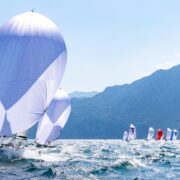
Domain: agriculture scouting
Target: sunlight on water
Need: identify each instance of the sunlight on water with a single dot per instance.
(96, 159)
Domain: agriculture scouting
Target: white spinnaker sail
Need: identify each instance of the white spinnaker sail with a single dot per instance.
(132, 132)
(32, 63)
(54, 119)
(125, 135)
(169, 134)
(150, 133)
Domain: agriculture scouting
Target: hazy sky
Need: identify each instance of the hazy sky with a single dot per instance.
(109, 41)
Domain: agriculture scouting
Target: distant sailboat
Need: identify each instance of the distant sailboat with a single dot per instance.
(160, 134)
(132, 132)
(150, 133)
(125, 136)
(169, 134)
(174, 135)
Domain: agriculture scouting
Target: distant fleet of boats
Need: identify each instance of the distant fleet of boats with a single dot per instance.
(170, 134)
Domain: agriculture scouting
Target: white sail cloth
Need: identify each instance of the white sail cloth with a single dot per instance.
(125, 136)
(169, 134)
(55, 117)
(132, 132)
(150, 133)
(32, 63)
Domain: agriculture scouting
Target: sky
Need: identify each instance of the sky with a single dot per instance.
(109, 42)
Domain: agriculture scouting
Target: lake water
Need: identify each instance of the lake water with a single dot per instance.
(95, 159)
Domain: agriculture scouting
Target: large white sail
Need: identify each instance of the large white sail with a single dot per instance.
(150, 133)
(169, 134)
(32, 63)
(132, 132)
(125, 136)
(55, 118)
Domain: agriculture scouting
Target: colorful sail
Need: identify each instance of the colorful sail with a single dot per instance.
(132, 132)
(32, 63)
(174, 135)
(150, 133)
(55, 118)
(160, 134)
(125, 136)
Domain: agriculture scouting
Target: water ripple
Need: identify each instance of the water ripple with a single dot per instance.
(97, 159)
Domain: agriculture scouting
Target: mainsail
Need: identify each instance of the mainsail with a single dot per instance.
(150, 133)
(169, 134)
(132, 132)
(125, 135)
(32, 63)
(54, 119)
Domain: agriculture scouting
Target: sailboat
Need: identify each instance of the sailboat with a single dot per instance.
(132, 132)
(125, 136)
(169, 134)
(160, 134)
(32, 63)
(174, 135)
(150, 134)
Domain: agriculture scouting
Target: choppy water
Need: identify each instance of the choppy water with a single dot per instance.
(98, 159)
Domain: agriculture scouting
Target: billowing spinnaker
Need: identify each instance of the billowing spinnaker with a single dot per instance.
(132, 132)
(55, 118)
(174, 134)
(160, 134)
(169, 134)
(32, 63)
(150, 133)
(125, 135)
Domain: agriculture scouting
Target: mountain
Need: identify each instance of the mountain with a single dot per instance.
(79, 94)
(151, 101)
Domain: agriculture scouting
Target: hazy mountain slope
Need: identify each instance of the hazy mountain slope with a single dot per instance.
(79, 94)
(150, 101)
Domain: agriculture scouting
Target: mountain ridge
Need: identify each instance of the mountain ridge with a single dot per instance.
(144, 102)
(82, 94)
